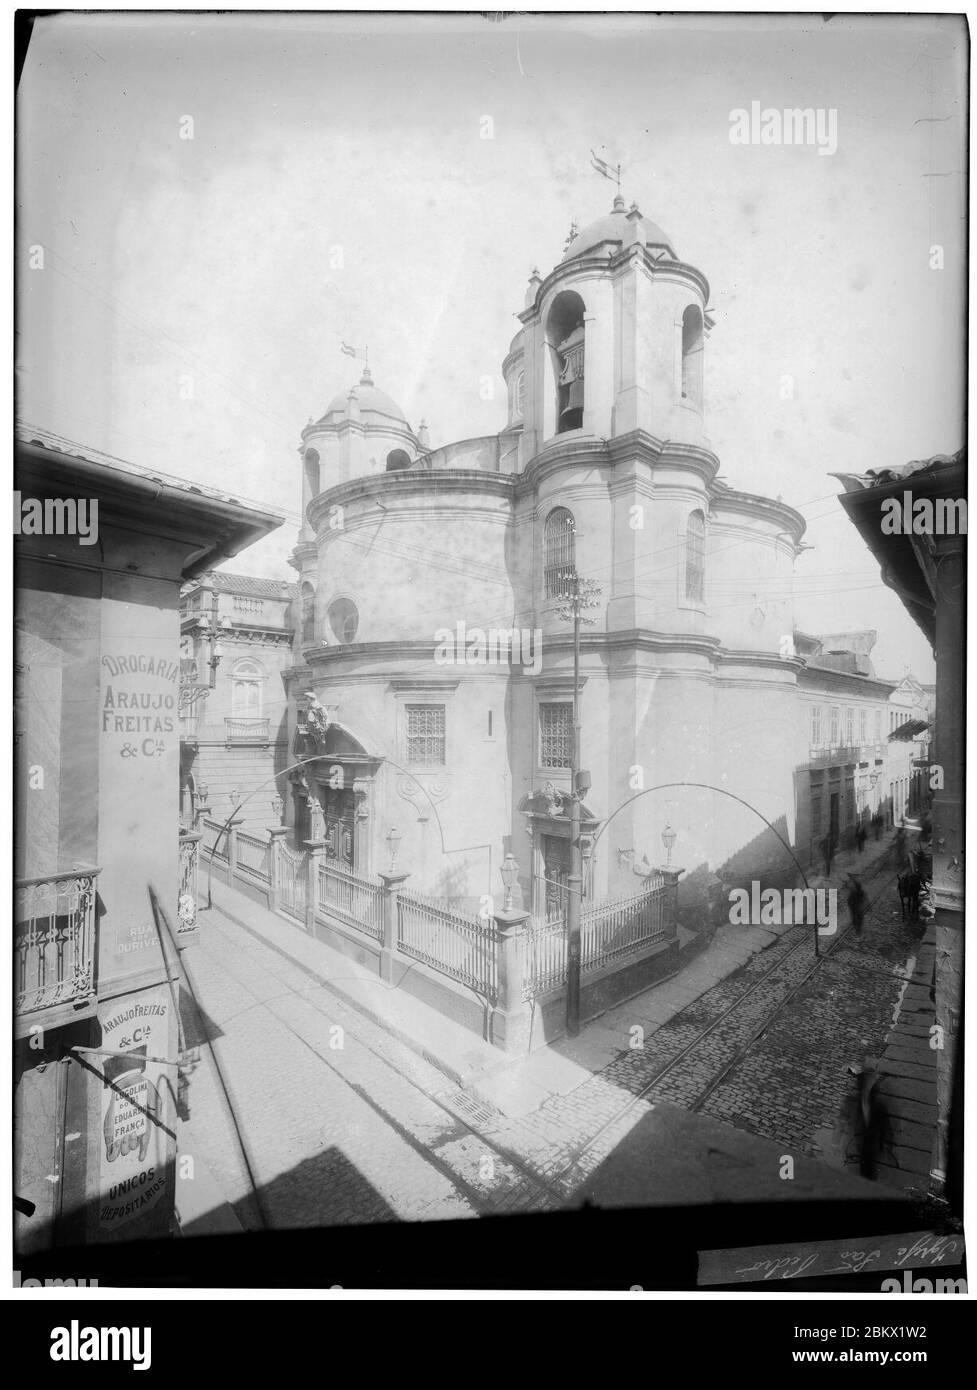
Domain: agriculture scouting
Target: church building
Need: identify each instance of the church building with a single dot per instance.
(432, 623)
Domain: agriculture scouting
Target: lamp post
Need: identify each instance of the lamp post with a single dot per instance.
(394, 838)
(579, 594)
(668, 840)
(510, 876)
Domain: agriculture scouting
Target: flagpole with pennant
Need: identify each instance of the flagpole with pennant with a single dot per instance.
(609, 171)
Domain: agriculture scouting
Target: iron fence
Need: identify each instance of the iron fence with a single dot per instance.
(455, 944)
(54, 940)
(354, 900)
(253, 855)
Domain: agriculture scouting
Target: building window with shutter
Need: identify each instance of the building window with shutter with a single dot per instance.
(695, 558)
(425, 735)
(863, 725)
(815, 726)
(555, 735)
(559, 553)
(833, 731)
(849, 726)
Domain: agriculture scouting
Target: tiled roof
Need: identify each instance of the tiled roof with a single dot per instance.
(879, 477)
(226, 583)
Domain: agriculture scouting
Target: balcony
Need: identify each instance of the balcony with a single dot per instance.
(828, 754)
(246, 730)
(55, 948)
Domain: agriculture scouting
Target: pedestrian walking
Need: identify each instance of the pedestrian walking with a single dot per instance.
(877, 825)
(901, 844)
(860, 837)
(828, 849)
(857, 903)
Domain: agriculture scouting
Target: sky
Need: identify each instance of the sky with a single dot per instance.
(339, 186)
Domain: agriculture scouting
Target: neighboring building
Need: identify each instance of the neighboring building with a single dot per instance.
(603, 468)
(925, 565)
(236, 642)
(97, 668)
(844, 774)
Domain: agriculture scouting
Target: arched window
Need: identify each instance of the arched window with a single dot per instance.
(565, 333)
(695, 558)
(519, 397)
(308, 613)
(343, 619)
(246, 681)
(559, 552)
(692, 338)
(397, 458)
(311, 464)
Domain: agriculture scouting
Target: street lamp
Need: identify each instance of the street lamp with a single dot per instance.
(394, 838)
(668, 840)
(510, 876)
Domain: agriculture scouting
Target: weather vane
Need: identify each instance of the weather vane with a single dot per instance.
(354, 352)
(609, 171)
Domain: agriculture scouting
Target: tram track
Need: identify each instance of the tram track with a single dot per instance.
(534, 1186)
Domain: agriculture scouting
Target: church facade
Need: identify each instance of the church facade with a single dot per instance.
(431, 621)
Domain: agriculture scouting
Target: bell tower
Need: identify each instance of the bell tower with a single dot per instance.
(613, 339)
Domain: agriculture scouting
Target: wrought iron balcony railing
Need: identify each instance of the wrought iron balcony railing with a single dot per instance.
(246, 730)
(846, 752)
(55, 944)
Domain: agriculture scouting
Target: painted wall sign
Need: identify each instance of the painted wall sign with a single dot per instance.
(136, 1146)
(129, 708)
(139, 752)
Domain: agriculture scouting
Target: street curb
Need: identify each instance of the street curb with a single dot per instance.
(463, 1078)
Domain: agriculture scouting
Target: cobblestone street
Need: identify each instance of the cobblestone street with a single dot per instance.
(341, 1123)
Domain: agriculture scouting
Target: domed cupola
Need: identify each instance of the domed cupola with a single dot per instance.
(366, 402)
(608, 234)
(363, 431)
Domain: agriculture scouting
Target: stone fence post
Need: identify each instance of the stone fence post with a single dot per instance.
(232, 848)
(313, 857)
(392, 883)
(511, 1018)
(275, 834)
(670, 904)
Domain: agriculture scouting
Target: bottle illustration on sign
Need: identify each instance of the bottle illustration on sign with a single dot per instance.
(133, 1110)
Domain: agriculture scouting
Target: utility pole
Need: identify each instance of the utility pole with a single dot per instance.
(580, 594)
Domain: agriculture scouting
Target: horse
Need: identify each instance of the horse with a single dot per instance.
(909, 885)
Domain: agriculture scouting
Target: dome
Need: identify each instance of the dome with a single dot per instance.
(614, 227)
(370, 399)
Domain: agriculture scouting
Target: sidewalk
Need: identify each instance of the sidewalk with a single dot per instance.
(456, 1051)
(908, 1085)
(517, 1086)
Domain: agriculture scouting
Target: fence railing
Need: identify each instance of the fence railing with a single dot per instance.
(253, 855)
(356, 901)
(215, 839)
(546, 955)
(608, 930)
(291, 879)
(622, 925)
(189, 859)
(55, 940)
(458, 945)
